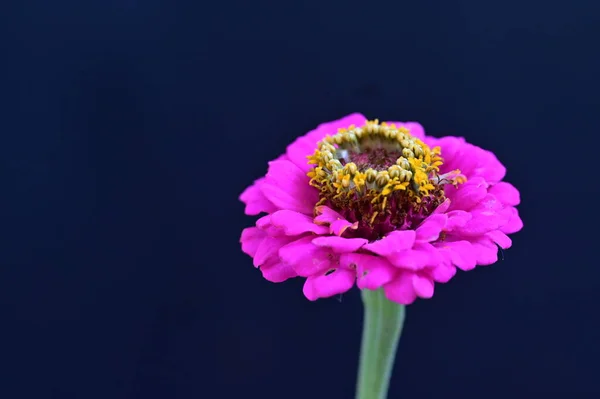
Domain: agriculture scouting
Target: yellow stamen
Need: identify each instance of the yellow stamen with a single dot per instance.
(339, 175)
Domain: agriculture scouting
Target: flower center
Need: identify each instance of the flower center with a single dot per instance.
(380, 177)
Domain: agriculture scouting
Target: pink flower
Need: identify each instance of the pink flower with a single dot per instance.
(379, 205)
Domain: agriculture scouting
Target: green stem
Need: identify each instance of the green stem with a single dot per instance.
(382, 326)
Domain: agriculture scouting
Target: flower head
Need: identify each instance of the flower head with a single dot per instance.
(379, 205)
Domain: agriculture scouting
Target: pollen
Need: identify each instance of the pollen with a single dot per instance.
(380, 176)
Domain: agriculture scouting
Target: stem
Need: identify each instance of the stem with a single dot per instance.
(382, 326)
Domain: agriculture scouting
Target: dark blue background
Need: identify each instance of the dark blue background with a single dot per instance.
(129, 128)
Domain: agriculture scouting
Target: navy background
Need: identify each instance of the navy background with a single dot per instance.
(128, 130)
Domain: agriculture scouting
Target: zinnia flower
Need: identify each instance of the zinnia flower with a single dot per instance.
(381, 205)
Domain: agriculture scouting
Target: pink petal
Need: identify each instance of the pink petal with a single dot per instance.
(450, 146)
(457, 219)
(506, 193)
(468, 195)
(443, 207)
(307, 144)
(255, 200)
(337, 223)
(332, 282)
(394, 242)
(459, 253)
(443, 272)
(305, 257)
(340, 226)
(470, 159)
(485, 250)
(293, 223)
(489, 167)
(251, 239)
(514, 224)
(493, 171)
(339, 244)
(299, 151)
(372, 271)
(326, 215)
(401, 289)
(476, 161)
(414, 128)
(264, 223)
(287, 187)
(486, 216)
(423, 285)
(277, 272)
(421, 255)
(500, 238)
(269, 247)
(430, 228)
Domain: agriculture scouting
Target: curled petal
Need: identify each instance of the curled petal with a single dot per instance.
(340, 226)
(326, 215)
(332, 282)
(401, 289)
(305, 257)
(394, 242)
(287, 187)
(340, 245)
(372, 272)
(337, 223)
(443, 207)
